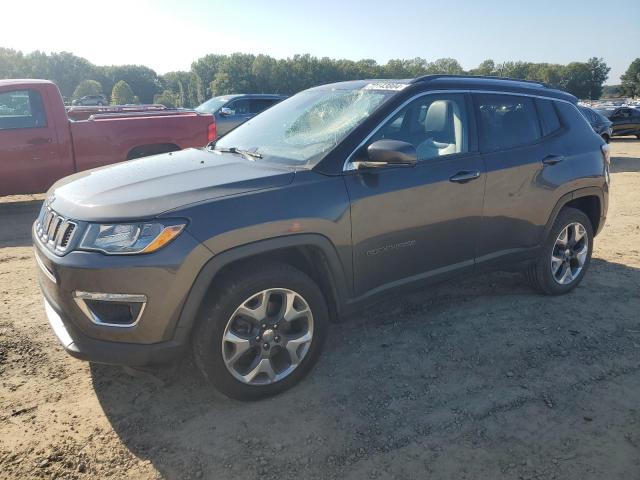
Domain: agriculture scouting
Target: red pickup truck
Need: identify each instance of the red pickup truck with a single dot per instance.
(40, 142)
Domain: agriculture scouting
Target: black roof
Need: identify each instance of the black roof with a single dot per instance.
(471, 82)
(475, 82)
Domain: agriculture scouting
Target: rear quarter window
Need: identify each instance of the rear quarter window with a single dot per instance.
(506, 121)
(549, 117)
(572, 118)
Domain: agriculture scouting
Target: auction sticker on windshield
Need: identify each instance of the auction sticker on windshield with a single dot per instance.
(386, 86)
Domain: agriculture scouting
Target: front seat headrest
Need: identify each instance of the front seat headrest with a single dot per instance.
(437, 116)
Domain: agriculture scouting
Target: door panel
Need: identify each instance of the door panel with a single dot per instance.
(413, 222)
(422, 221)
(520, 186)
(29, 144)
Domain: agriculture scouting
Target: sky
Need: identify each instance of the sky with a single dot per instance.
(168, 35)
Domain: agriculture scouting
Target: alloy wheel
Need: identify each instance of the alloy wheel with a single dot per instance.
(569, 253)
(267, 336)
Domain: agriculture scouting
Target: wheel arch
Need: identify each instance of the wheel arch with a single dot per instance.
(140, 151)
(313, 254)
(589, 200)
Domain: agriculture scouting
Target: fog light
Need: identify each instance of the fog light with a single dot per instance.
(111, 309)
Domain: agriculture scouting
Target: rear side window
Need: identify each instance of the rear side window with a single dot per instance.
(588, 113)
(260, 104)
(506, 121)
(21, 109)
(548, 116)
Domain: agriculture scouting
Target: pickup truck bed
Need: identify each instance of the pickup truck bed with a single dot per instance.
(40, 143)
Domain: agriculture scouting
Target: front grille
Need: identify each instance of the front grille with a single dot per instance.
(55, 231)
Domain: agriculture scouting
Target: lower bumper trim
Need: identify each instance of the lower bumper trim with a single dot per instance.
(114, 353)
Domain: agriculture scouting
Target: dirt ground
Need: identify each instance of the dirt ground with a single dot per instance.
(481, 378)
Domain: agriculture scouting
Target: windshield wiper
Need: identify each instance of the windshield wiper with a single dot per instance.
(238, 151)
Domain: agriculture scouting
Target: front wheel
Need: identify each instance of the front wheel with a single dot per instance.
(565, 255)
(262, 332)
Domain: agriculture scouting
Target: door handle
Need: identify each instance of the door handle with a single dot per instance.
(39, 141)
(552, 159)
(464, 176)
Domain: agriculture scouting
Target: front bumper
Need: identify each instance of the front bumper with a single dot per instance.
(116, 353)
(163, 278)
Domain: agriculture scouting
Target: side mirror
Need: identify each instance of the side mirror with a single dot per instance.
(225, 112)
(385, 153)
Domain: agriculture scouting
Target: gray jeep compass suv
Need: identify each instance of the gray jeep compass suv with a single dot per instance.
(242, 252)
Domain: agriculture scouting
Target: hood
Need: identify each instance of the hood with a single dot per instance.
(149, 186)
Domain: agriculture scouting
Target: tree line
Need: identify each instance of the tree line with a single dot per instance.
(214, 75)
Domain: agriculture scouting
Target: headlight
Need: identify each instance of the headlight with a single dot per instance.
(130, 238)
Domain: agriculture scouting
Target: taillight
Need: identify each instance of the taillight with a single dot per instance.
(212, 132)
(606, 156)
(606, 153)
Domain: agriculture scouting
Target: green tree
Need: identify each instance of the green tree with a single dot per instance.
(486, 68)
(122, 94)
(221, 85)
(178, 83)
(577, 79)
(11, 63)
(143, 80)
(445, 65)
(167, 98)
(611, 91)
(630, 85)
(87, 87)
(598, 74)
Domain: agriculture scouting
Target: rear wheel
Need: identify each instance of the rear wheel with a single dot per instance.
(565, 255)
(262, 332)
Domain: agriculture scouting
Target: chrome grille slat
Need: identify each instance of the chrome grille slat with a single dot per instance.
(55, 231)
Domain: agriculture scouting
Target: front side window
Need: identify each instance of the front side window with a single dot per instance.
(212, 105)
(436, 125)
(302, 129)
(506, 121)
(240, 107)
(21, 109)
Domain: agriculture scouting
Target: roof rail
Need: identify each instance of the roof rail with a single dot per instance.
(426, 78)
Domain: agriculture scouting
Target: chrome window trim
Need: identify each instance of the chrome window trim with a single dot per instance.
(79, 297)
(347, 165)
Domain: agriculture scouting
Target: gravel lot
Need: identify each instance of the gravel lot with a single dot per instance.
(481, 378)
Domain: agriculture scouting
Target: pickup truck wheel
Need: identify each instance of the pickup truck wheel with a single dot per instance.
(262, 331)
(566, 254)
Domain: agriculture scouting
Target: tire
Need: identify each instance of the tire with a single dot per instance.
(541, 274)
(247, 287)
